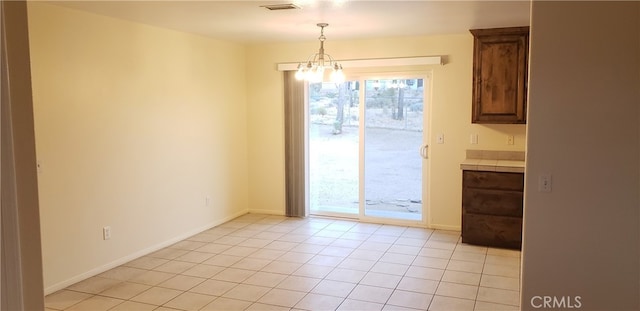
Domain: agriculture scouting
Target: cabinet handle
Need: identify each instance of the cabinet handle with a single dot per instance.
(424, 151)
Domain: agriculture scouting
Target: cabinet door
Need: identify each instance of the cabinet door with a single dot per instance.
(500, 72)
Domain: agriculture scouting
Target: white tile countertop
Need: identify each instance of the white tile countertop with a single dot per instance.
(494, 161)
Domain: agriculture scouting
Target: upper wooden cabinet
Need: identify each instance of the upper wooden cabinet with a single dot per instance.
(500, 57)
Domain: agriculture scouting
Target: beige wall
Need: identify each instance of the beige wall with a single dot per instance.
(450, 114)
(135, 126)
(582, 239)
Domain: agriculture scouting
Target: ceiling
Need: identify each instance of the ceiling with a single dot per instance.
(247, 22)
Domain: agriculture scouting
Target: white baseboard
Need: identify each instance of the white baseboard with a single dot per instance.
(266, 212)
(138, 254)
(444, 227)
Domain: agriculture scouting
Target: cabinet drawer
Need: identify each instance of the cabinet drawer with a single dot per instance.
(496, 231)
(492, 202)
(493, 180)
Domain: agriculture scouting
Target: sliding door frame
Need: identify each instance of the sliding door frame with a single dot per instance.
(427, 76)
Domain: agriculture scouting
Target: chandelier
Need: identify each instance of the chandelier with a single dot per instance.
(313, 69)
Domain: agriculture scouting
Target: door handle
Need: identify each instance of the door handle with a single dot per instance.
(424, 151)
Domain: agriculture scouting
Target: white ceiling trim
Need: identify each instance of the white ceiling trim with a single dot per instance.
(376, 62)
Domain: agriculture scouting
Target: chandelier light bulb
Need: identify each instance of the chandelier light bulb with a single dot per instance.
(337, 76)
(319, 74)
(300, 72)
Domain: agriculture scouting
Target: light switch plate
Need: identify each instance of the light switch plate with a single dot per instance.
(440, 138)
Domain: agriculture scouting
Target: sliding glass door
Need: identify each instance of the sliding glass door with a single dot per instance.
(393, 135)
(333, 148)
(365, 139)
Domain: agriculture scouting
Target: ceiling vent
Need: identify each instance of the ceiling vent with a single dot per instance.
(277, 7)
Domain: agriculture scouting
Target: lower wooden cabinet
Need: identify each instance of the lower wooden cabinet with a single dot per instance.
(492, 208)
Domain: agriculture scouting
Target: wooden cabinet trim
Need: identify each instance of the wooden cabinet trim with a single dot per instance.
(522, 30)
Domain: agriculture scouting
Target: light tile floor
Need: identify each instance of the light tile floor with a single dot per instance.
(263, 262)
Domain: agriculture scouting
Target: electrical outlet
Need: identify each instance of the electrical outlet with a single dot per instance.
(474, 139)
(106, 233)
(509, 139)
(544, 183)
